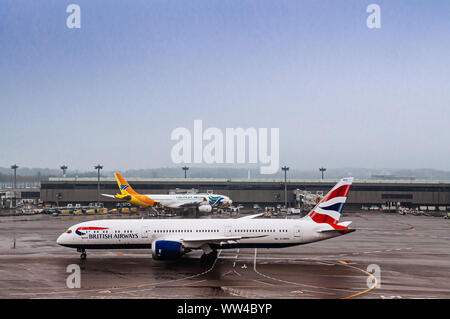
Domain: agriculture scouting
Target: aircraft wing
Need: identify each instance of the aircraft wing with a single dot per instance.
(198, 242)
(251, 216)
(108, 195)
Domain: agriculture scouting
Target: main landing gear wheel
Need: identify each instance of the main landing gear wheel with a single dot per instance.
(209, 258)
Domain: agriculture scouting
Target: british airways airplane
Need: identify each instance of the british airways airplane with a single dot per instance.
(170, 239)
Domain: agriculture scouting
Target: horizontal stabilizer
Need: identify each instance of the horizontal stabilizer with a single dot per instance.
(124, 197)
(108, 195)
(340, 231)
(345, 224)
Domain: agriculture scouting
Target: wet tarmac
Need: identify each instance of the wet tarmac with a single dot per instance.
(389, 256)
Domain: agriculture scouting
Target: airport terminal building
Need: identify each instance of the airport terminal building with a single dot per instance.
(265, 192)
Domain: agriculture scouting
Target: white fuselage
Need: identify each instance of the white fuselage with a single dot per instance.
(186, 200)
(141, 233)
(178, 199)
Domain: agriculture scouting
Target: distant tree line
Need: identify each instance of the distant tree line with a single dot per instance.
(27, 175)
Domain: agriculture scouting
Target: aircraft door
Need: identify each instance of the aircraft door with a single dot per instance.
(297, 232)
(145, 231)
(227, 231)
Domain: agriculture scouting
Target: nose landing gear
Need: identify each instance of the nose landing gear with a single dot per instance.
(83, 253)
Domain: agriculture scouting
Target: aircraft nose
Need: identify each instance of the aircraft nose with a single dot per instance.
(61, 239)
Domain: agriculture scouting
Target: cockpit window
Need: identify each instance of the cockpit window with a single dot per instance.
(68, 231)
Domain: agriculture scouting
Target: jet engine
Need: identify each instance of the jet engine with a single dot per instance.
(167, 249)
(205, 209)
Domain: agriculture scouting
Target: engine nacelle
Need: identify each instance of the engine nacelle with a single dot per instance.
(205, 209)
(167, 249)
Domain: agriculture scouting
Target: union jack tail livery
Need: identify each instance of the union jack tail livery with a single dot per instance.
(329, 209)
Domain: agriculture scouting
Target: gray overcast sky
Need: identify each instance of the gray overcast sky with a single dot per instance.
(343, 95)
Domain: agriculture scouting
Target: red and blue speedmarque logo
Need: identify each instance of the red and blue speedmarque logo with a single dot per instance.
(79, 233)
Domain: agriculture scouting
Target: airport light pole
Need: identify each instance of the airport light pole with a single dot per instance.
(322, 170)
(98, 168)
(285, 169)
(185, 169)
(14, 168)
(64, 168)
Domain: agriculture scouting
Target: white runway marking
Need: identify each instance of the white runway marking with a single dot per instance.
(290, 282)
(118, 290)
(263, 282)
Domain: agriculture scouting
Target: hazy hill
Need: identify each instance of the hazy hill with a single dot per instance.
(35, 174)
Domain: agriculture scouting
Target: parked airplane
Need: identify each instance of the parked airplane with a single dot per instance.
(202, 202)
(170, 239)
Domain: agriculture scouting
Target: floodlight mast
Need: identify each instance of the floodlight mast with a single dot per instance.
(98, 168)
(285, 169)
(322, 170)
(185, 169)
(64, 169)
(14, 168)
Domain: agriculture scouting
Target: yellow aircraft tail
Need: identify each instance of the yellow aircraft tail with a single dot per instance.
(125, 188)
(128, 194)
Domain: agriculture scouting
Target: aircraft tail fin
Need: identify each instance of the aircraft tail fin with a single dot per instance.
(125, 188)
(329, 209)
